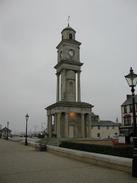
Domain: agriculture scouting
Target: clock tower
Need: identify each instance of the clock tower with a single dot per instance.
(69, 117)
(68, 67)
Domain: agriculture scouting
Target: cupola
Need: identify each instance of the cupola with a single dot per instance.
(68, 33)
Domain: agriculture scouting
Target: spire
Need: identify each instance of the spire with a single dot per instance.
(68, 20)
(68, 26)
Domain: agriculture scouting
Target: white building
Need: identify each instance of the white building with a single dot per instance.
(126, 128)
(104, 129)
(126, 111)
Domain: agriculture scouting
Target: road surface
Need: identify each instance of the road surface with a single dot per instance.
(22, 164)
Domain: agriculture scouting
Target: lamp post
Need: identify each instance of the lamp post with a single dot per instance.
(132, 82)
(7, 130)
(27, 118)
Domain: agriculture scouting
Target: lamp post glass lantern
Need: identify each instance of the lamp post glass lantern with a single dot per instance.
(27, 118)
(132, 82)
(131, 78)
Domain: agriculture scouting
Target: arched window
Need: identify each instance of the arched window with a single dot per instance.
(127, 120)
(70, 36)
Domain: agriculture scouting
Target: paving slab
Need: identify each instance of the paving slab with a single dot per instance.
(22, 164)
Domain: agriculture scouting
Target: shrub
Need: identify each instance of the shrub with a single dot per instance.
(123, 151)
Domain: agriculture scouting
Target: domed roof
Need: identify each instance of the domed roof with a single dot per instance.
(68, 28)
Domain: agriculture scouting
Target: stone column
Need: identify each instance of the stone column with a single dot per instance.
(66, 125)
(58, 84)
(50, 125)
(82, 125)
(55, 123)
(63, 84)
(58, 124)
(89, 126)
(78, 87)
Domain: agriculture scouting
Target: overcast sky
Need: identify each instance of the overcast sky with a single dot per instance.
(30, 30)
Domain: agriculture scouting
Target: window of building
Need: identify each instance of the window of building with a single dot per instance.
(130, 108)
(125, 109)
(127, 120)
(98, 127)
(70, 36)
(98, 134)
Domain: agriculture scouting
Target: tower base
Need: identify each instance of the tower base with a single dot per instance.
(69, 119)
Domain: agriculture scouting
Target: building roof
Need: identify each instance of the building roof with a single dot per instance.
(68, 28)
(128, 101)
(5, 129)
(104, 123)
(70, 104)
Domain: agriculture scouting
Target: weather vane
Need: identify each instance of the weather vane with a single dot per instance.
(68, 20)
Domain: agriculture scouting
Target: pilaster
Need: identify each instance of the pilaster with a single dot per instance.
(78, 87)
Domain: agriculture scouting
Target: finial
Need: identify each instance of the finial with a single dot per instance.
(68, 20)
(131, 70)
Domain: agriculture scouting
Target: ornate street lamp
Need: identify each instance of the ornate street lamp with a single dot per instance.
(27, 118)
(132, 82)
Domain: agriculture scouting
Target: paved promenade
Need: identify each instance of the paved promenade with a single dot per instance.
(21, 164)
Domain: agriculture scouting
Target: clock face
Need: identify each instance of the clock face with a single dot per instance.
(71, 53)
